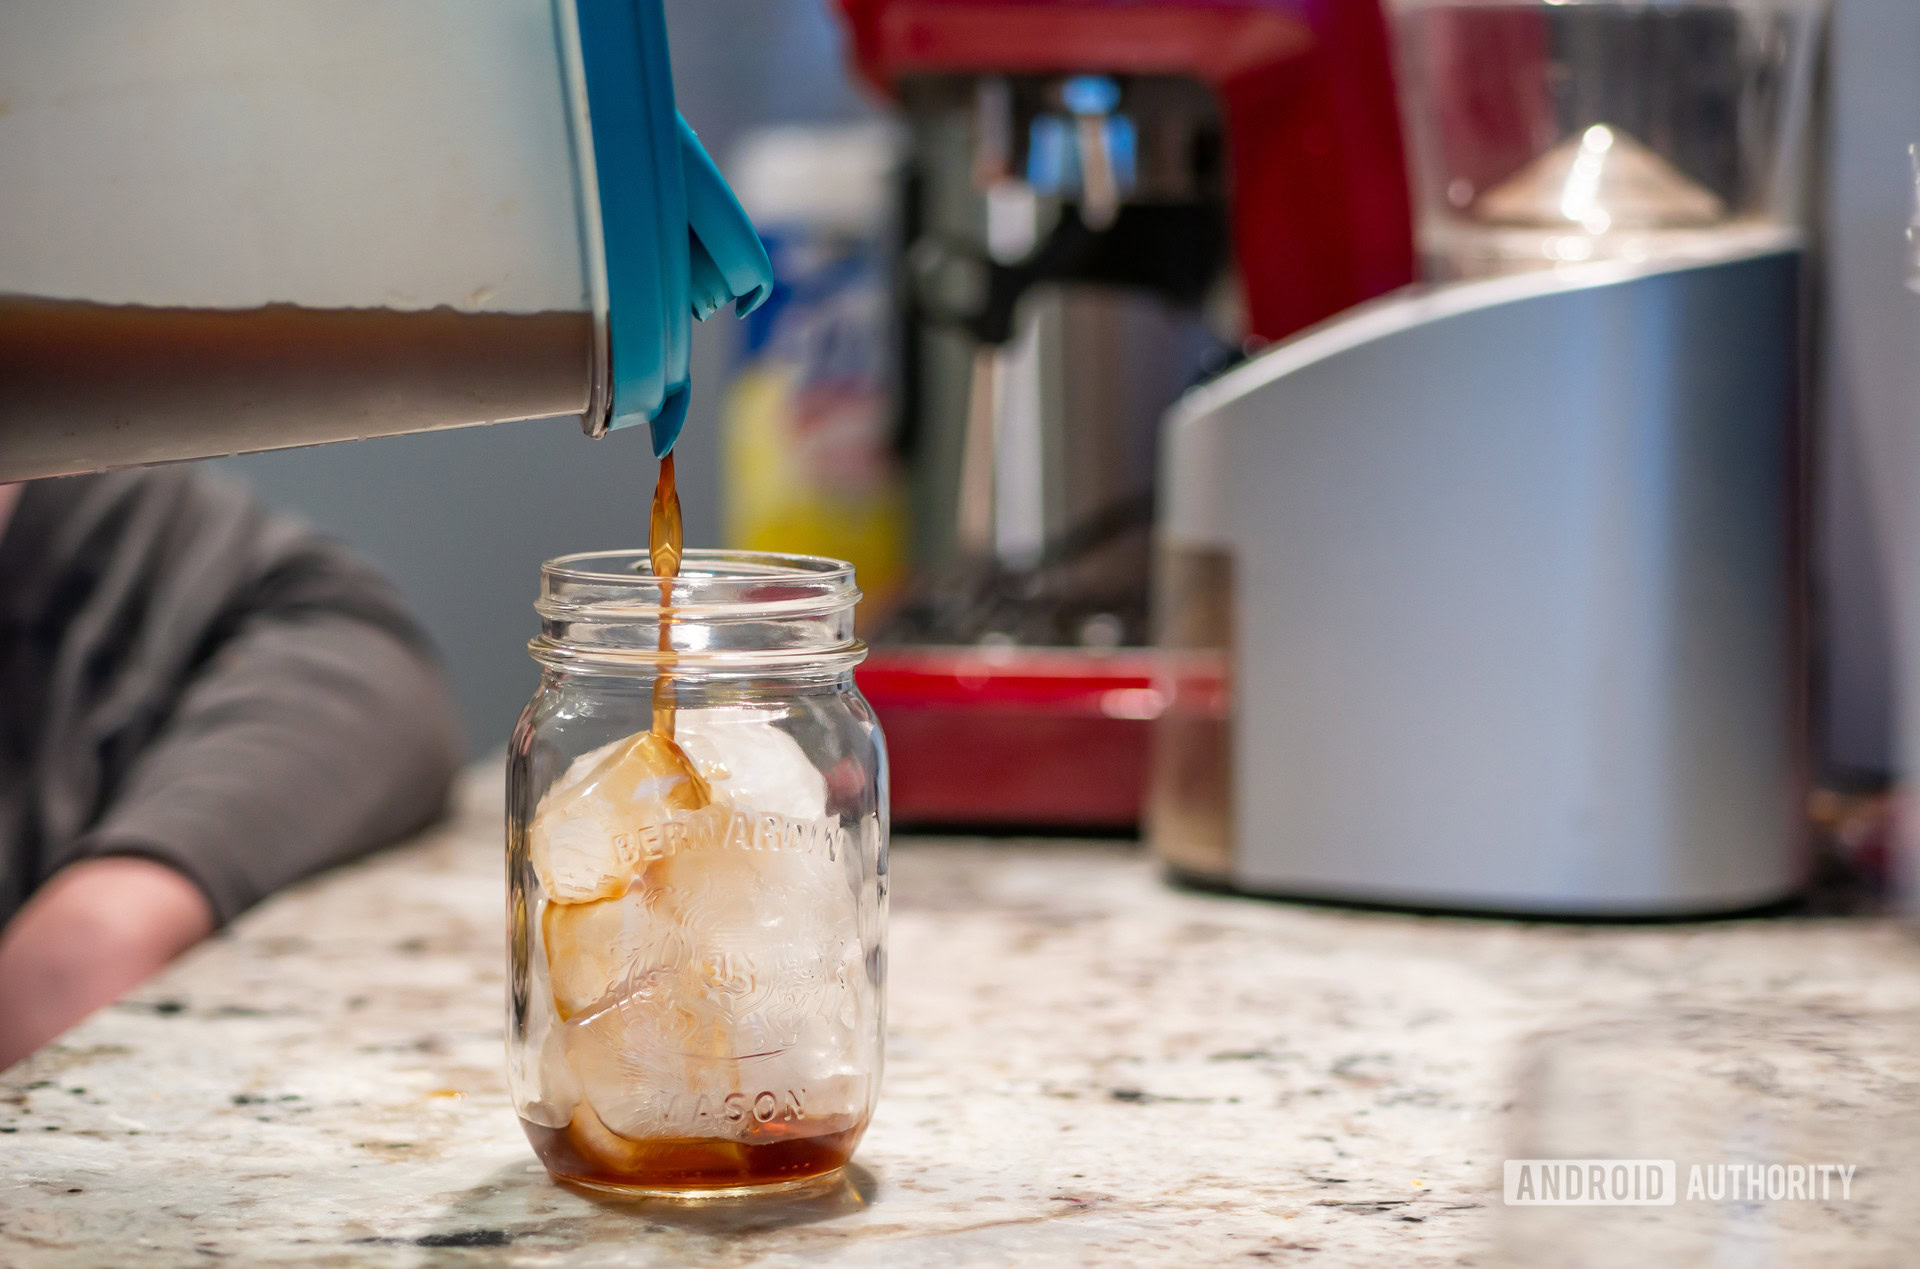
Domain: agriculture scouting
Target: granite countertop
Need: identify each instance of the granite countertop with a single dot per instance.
(1084, 1066)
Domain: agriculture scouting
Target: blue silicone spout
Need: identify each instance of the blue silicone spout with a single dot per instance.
(677, 244)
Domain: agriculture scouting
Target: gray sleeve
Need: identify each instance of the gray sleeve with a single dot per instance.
(313, 726)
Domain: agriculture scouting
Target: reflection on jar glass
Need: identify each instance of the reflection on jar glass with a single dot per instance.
(697, 895)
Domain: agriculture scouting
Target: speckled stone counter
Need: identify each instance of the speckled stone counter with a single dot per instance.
(1084, 1066)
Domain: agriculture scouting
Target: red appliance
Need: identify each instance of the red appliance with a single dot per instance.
(1050, 738)
(1314, 200)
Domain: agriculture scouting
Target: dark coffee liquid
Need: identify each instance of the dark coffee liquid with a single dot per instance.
(696, 1163)
(89, 386)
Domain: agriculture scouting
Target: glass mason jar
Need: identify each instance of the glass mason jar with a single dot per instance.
(697, 876)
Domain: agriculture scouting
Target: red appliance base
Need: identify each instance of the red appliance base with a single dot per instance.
(1047, 738)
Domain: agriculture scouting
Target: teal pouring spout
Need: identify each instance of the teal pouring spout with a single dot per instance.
(729, 262)
(673, 241)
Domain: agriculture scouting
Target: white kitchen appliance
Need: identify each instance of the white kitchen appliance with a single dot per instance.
(1488, 595)
(1869, 390)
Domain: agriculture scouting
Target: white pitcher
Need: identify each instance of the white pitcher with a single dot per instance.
(232, 225)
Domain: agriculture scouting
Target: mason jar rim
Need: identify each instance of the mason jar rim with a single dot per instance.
(710, 578)
(599, 607)
(637, 566)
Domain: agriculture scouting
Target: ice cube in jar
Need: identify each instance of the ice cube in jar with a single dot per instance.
(585, 836)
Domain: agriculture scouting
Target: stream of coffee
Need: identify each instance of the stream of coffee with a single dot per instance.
(665, 544)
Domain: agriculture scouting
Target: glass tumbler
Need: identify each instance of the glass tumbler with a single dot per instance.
(1551, 132)
(697, 876)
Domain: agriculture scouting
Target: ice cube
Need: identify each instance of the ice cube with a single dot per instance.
(584, 839)
(773, 926)
(545, 1089)
(593, 946)
(819, 1076)
(658, 1060)
(752, 763)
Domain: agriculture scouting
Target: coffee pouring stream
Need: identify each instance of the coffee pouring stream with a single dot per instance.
(235, 227)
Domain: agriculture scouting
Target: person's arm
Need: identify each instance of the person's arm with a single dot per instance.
(298, 720)
(98, 928)
(312, 736)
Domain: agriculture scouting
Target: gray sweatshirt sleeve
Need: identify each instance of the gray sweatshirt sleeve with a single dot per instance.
(266, 707)
(310, 738)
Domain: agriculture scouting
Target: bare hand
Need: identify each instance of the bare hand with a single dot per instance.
(96, 929)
